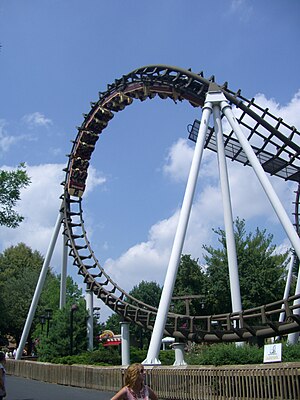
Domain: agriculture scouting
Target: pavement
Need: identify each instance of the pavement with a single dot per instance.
(26, 389)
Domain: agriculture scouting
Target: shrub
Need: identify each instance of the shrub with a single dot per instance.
(231, 354)
(105, 355)
(216, 354)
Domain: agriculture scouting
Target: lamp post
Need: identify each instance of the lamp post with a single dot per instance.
(42, 321)
(74, 307)
(48, 317)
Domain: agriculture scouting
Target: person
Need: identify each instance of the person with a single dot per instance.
(135, 388)
(2, 375)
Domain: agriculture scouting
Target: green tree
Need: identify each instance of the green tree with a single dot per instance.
(113, 323)
(11, 182)
(261, 270)
(20, 268)
(148, 293)
(190, 282)
(19, 272)
(58, 341)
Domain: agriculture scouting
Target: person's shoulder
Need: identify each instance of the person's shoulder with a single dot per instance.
(122, 394)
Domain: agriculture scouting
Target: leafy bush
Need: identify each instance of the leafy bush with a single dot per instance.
(216, 354)
(105, 355)
(230, 354)
(291, 353)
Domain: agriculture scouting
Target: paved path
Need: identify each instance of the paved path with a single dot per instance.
(27, 389)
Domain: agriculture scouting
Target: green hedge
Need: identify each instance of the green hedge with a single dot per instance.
(216, 354)
(231, 354)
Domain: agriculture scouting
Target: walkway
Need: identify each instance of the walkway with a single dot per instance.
(27, 389)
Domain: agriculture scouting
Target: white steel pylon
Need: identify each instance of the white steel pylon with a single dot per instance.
(39, 287)
(216, 101)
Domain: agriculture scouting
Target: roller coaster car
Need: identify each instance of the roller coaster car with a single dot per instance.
(142, 92)
(76, 183)
(97, 125)
(98, 120)
(165, 92)
(84, 151)
(78, 175)
(88, 137)
(104, 114)
(118, 102)
(80, 163)
(75, 190)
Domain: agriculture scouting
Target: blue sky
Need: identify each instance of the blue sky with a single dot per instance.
(57, 55)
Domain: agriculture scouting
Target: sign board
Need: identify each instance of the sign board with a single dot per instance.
(272, 352)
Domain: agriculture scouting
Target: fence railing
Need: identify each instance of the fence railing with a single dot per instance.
(242, 382)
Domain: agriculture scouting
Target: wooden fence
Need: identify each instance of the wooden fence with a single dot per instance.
(243, 382)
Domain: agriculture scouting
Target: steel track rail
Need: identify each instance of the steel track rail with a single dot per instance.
(275, 144)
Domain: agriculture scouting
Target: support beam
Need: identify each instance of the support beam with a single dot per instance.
(90, 322)
(63, 277)
(165, 300)
(179, 354)
(39, 287)
(235, 291)
(125, 343)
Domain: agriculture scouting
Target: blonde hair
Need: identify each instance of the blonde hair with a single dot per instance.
(132, 373)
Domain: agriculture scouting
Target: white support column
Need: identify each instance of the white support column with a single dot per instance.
(179, 354)
(90, 322)
(125, 343)
(165, 300)
(39, 287)
(293, 338)
(63, 277)
(228, 219)
(288, 284)
(262, 177)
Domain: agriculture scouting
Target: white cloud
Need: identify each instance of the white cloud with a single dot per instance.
(178, 161)
(5, 140)
(36, 119)
(94, 179)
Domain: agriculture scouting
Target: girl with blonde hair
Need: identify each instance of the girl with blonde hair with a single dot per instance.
(135, 388)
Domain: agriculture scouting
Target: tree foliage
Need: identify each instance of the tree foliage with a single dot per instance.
(58, 341)
(19, 272)
(149, 293)
(146, 292)
(20, 268)
(190, 281)
(261, 270)
(11, 182)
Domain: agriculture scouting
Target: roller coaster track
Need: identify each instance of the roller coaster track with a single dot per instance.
(275, 144)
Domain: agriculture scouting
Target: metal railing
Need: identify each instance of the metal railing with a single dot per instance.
(241, 382)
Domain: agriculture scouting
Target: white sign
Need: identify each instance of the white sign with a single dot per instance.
(272, 352)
